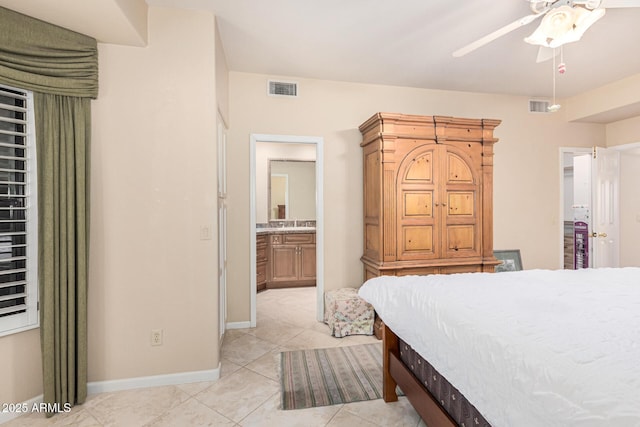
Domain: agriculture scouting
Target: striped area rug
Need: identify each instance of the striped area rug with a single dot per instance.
(330, 376)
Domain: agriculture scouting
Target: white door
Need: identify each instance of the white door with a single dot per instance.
(605, 232)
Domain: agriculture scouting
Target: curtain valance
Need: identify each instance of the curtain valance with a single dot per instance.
(43, 57)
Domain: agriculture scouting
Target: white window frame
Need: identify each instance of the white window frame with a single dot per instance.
(29, 319)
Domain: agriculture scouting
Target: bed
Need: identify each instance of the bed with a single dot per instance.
(524, 348)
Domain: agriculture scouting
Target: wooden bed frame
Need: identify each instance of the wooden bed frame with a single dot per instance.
(395, 373)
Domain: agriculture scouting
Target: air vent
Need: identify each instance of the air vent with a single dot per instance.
(283, 88)
(537, 106)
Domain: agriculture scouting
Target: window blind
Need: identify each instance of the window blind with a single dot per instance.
(18, 296)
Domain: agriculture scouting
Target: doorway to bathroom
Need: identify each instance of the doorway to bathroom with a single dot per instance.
(276, 206)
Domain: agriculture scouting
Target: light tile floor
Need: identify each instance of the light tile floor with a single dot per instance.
(247, 393)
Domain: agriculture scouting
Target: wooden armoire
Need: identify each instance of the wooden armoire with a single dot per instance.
(428, 194)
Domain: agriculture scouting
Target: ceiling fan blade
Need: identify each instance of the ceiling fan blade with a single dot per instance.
(546, 53)
(614, 4)
(497, 34)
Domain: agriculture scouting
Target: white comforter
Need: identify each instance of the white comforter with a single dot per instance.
(527, 348)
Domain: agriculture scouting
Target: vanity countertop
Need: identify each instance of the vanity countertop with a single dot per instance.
(285, 230)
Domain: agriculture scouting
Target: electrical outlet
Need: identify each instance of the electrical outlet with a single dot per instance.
(156, 337)
(205, 232)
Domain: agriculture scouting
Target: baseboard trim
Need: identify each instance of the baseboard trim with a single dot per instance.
(238, 325)
(153, 381)
(125, 384)
(5, 417)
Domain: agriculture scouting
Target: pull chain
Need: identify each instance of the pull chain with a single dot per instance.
(555, 107)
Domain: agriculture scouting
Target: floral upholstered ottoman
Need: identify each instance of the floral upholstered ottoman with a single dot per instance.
(347, 314)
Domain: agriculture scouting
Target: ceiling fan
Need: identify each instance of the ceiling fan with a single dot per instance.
(563, 21)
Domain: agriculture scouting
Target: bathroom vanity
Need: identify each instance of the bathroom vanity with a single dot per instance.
(285, 256)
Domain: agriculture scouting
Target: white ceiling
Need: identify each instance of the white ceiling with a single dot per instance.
(403, 43)
(409, 43)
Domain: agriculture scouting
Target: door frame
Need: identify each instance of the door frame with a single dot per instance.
(319, 144)
(222, 225)
(563, 150)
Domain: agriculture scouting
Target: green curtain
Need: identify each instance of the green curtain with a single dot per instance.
(63, 126)
(61, 68)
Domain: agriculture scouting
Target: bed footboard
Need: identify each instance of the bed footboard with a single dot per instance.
(395, 373)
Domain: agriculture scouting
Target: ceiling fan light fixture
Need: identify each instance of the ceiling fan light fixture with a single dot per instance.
(564, 24)
(553, 108)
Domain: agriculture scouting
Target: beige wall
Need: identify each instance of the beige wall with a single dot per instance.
(527, 180)
(623, 132)
(605, 102)
(20, 357)
(629, 208)
(153, 186)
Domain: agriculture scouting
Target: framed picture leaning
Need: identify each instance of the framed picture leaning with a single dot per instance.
(511, 260)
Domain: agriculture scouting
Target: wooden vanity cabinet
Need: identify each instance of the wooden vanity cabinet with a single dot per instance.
(292, 260)
(261, 261)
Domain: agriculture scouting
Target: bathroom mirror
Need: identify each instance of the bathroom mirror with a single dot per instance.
(292, 189)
